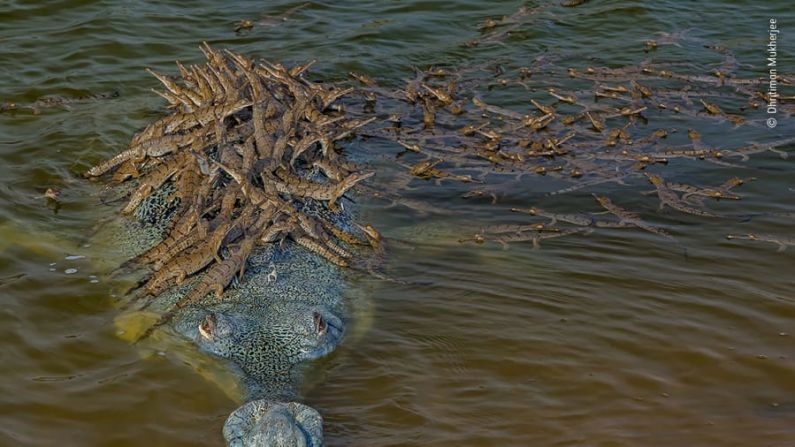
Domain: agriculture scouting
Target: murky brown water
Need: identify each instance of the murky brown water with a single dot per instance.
(611, 339)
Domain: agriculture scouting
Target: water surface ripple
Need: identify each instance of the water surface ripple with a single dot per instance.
(612, 339)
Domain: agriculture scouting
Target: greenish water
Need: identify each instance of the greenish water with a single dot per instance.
(617, 338)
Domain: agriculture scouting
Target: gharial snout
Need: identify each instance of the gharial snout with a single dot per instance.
(262, 423)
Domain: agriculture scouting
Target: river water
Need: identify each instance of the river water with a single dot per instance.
(610, 339)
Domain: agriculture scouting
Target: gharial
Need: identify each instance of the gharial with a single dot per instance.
(243, 176)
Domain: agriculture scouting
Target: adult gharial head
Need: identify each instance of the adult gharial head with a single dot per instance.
(266, 344)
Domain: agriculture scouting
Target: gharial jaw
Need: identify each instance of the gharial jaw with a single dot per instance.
(263, 423)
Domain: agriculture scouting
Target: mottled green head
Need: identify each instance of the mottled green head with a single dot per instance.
(266, 345)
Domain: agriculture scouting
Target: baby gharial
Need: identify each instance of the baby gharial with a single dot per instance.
(267, 346)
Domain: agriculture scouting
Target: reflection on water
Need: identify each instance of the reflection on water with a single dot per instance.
(612, 338)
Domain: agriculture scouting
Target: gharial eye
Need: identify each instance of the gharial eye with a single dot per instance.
(207, 325)
(320, 323)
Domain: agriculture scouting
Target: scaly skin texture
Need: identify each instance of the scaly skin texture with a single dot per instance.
(263, 423)
(266, 343)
